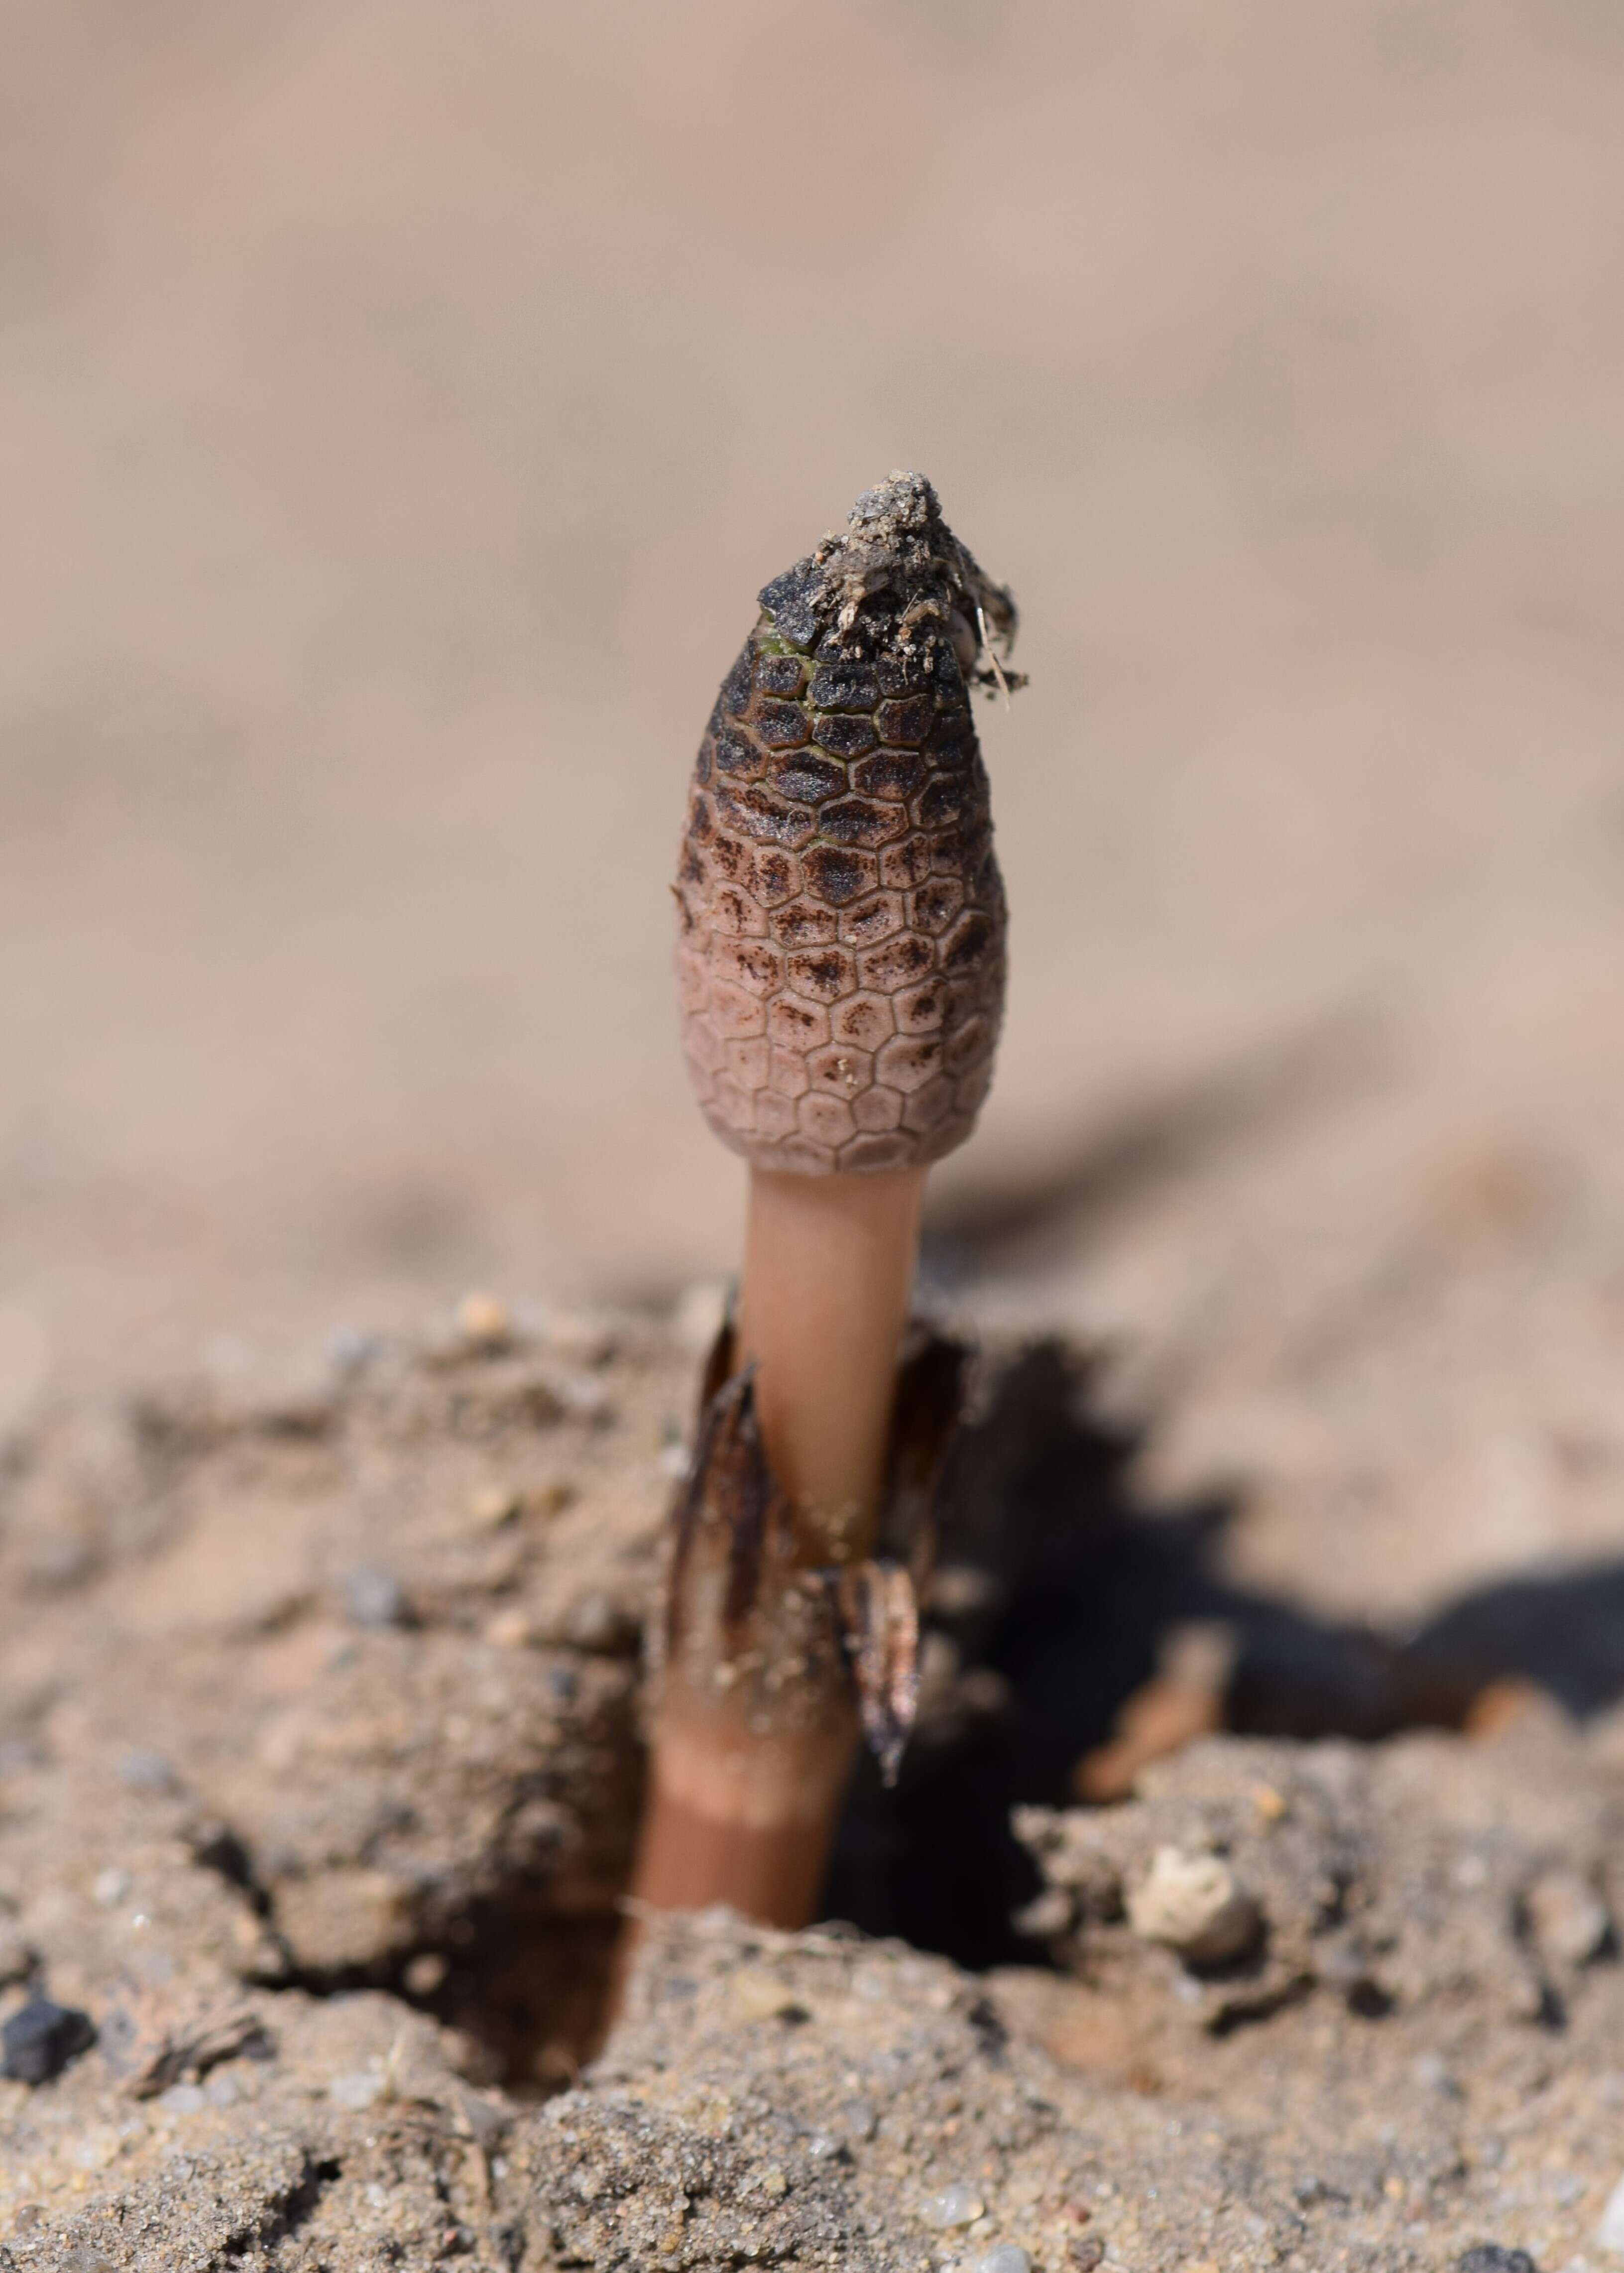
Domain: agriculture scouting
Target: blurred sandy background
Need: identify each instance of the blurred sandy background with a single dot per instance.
(400, 406)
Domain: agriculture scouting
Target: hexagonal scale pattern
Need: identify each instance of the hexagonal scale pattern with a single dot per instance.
(841, 957)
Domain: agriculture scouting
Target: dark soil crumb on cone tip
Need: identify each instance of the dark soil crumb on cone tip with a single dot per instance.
(841, 950)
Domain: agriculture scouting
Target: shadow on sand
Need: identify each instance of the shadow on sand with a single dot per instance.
(1063, 1591)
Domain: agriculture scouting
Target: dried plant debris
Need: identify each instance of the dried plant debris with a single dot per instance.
(842, 921)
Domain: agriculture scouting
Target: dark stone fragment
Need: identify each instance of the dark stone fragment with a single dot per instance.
(809, 779)
(1489, 2257)
(781, 725)
(780, 674)
(37, 2043)
(844, 687)
(845, 732)
(837, 876)
(735, 687)
(374, 1598)
(734, 755)
(792, 600)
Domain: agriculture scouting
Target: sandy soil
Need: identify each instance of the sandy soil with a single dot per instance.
(318, 1767)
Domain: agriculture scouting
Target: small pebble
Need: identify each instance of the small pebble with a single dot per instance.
(373, 1597)
(597, 1623)
(579, 1395)
(1085, 2252)
(1192, 1904)
(1049, 1915)
(579, 1335)
(356, 2091)
(111, 1885)
(18, 1961)
(1008, 2257)
(96, 2150)
(1489, 2257)
(426, 1973)
(222, 2088)
(496, 1504)
(37, 2043)
(483, 1322)
(1436, 2073)
(957, 1589)
(1569, 1918)
(145, 1772)
(759, 1997)
(954, 2206)
(350, 1349)
(1610, 2232)
(183, 2099)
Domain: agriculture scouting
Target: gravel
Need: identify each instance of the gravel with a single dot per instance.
(37, 2043)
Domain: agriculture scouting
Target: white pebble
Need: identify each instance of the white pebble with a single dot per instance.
(1610, 2232)
(357, 2091)
(181, 2099)
(1008, 2257)
(953, 2206)
(1191, 1903)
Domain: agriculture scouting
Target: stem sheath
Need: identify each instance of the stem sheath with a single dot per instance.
(752, 1748)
